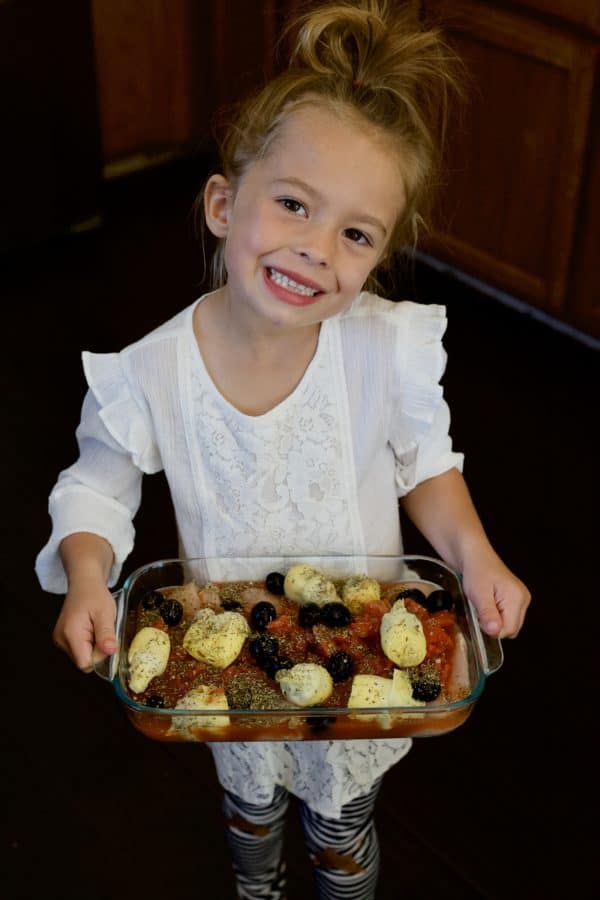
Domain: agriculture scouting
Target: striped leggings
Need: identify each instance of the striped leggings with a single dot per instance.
(344, 852)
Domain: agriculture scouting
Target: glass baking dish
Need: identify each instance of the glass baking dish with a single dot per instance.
(475, 656)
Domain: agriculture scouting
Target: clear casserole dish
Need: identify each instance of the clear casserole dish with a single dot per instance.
(250, 699)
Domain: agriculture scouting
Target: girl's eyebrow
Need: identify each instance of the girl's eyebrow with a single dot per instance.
(361, 217)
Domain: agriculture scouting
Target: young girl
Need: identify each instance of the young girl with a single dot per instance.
(289, 408)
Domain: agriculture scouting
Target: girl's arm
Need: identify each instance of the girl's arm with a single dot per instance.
(443, 511)
(87, 619)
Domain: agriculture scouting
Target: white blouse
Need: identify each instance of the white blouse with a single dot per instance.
(319, 474)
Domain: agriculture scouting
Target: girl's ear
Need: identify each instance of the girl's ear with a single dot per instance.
(218, 198)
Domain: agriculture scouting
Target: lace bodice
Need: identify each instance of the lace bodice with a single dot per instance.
(279, 480)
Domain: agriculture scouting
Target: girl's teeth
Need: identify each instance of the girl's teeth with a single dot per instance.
(291, 285)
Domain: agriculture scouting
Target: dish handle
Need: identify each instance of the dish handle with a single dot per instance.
(107, 666)
(489, 649)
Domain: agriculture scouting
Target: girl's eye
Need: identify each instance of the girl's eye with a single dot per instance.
(293, 206)
(358, 237)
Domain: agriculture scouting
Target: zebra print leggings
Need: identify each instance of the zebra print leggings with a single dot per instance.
(344, 852)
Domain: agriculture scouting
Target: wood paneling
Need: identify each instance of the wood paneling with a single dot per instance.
(165, 67)
(147, 62)
(583, 300)
(511, 202)
(241, 53)
(585, 13)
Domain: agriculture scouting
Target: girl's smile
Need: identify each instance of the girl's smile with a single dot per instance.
(291, 288)
(305, 225)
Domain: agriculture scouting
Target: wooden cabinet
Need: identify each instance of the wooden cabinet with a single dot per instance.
(584, 13)
(165, 68)
(242, 50)
(583, 300)
(149, 73)
(518, 210)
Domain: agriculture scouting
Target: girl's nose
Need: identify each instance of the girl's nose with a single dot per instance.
(313, 258)
(316, 250)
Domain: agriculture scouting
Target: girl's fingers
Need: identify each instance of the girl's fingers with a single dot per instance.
(489, 614)
(77, 643)
(105, 637)
(85, 629)
(491, 623)
(513, 606)
(103, 621)
(501, 600)
(80, 651)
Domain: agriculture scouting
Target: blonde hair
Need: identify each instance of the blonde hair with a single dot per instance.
(367, 61)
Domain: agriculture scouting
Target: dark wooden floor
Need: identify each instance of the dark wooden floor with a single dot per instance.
(502, 809)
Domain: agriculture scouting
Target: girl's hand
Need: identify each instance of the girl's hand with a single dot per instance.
(85, 628)
(442, 509)
(500, 598)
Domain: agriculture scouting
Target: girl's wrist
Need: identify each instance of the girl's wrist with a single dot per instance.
(88, 579)
(473, 546)
(87, 560)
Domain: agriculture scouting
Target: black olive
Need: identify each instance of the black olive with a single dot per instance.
(309, 615)
(263, 613)
(277, 663)
(231, 604)
(336, 615)
(171, 612)
(426, 690)
(340, 665)
(152, 599)
(438, 601)
(264, 647)
(412, 594)
(274, 582)
(155, 701)
(319, 723)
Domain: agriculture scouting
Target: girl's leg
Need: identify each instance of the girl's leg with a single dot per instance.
(255, 837)
(345, 851)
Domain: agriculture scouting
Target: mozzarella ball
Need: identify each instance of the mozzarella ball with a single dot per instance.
(148, 656)
(370, 690)
(216, 639)
(402, 637)
(201, 697)
(304, 584)
(358, 591)
(306, 684)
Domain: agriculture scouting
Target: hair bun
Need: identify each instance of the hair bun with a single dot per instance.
(341, 39)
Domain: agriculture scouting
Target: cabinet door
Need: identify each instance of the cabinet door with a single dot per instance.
(148, 69)
(164, 69)
(241, 52)
(509, 207)
(585, 13)
(583, 301)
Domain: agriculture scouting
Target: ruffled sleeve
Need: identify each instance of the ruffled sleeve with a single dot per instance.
(123, 415)
(420, 416)
(101, 492)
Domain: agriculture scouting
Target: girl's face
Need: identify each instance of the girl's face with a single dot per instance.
(305, 226)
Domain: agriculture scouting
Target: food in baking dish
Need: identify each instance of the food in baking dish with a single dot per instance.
(298, 639)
